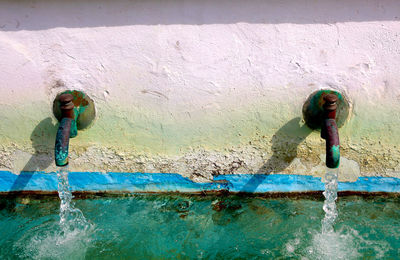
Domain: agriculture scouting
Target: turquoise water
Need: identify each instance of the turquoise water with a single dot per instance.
(184, 227)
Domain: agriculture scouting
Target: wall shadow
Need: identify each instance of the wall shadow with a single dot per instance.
(47, 14)
(284, 148)
(42, 137)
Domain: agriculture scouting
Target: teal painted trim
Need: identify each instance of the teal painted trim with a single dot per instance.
(168, 182)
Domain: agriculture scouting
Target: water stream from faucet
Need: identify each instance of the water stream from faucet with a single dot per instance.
(330, 193)
(330, 244)
(71, 218)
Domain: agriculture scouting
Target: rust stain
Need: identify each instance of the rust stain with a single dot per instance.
(219, 206)
(79, 99)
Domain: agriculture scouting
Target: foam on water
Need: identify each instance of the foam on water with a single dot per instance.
(333, 245)
(345, 243)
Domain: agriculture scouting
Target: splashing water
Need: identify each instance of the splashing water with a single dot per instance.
(192, 227)
(67, 239)
(71, 218)
(329, 244)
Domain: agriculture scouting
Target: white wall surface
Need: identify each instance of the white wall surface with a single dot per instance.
(200, 87)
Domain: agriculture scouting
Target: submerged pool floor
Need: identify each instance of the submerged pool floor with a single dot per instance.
(184, 227)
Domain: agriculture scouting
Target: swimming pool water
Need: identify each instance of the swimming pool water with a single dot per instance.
(196, 227)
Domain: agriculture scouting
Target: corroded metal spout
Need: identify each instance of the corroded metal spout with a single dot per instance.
(329, 131)
(67, 129)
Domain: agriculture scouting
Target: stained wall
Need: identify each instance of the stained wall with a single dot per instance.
(200, 88)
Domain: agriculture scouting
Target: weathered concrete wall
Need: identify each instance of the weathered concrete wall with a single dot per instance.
(200, 88)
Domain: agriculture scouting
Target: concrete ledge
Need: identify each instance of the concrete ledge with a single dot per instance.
(169, 182)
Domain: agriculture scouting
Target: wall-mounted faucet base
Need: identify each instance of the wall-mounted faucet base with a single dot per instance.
(313, 111)
(83, 107)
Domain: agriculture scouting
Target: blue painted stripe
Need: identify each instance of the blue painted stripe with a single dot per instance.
(372, 184)
(169, 182)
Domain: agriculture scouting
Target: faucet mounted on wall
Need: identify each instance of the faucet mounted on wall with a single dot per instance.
(327, 110)
(329, 131)
(74, 110)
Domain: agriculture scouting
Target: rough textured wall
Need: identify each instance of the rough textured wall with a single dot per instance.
(200, 88)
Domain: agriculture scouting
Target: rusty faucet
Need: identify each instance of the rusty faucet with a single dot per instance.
(329, 131)
(66, 130)
(74, 110)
